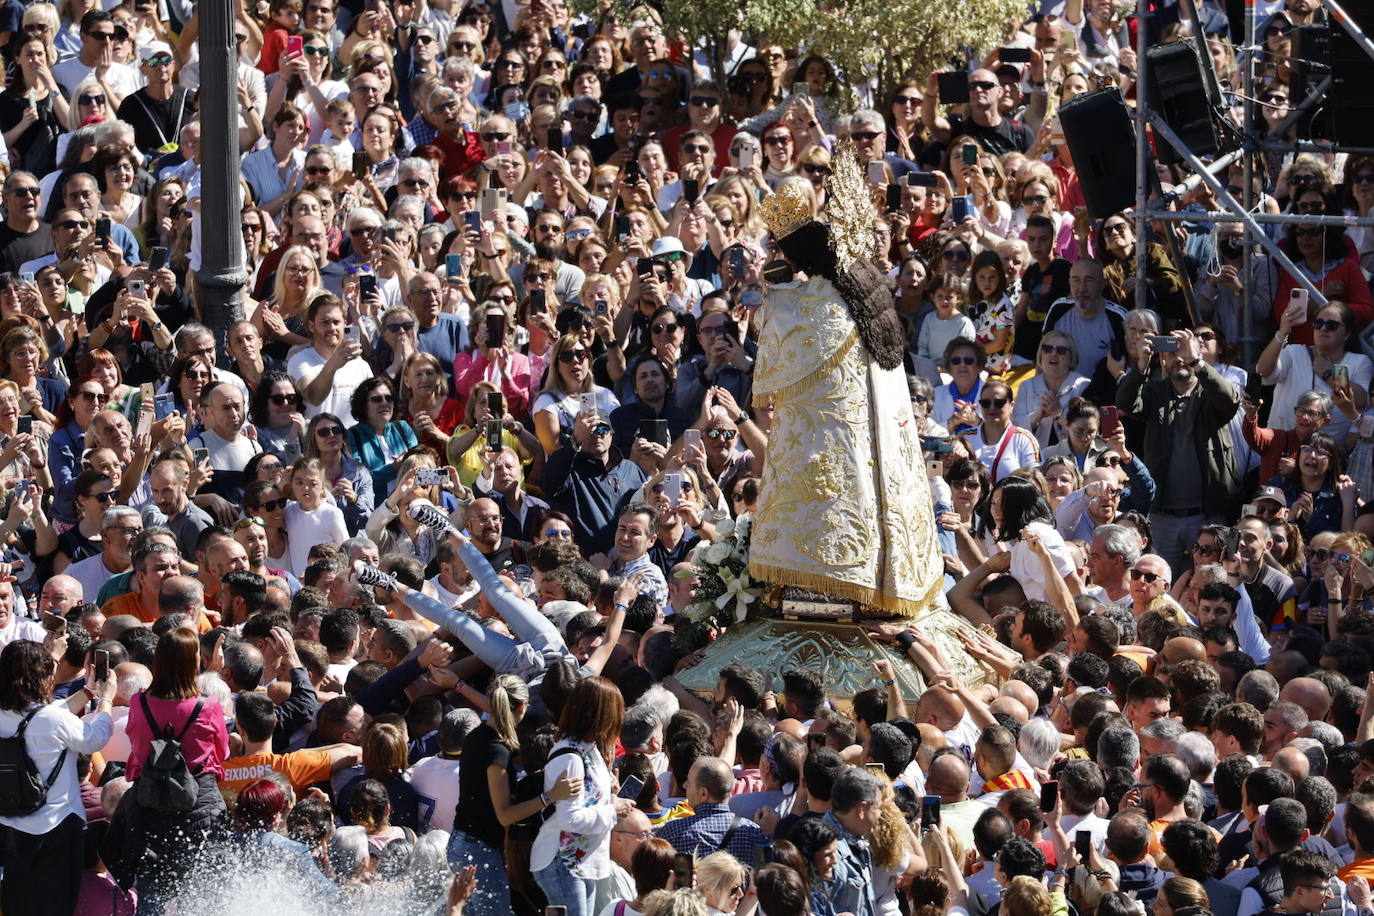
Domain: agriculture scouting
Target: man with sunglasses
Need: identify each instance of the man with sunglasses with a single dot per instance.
(223, 417)
(23, 235)
(589, 480)
(158, 110)
(118, 527)
(706, 113)
(984, 122)
(97, 56)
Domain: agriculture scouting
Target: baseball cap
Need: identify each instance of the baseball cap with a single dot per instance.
(1271, 493)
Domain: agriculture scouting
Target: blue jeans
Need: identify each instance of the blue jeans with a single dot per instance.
(492, 897)
(566, 889)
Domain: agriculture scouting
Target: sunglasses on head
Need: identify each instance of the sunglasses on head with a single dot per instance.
(250, 521)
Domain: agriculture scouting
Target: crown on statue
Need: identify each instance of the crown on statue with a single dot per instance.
(786, 210)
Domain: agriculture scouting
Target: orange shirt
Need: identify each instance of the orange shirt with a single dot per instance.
(1362, 867)
(131, 603)
(304, 768)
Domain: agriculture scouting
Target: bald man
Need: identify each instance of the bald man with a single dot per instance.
(1023, 694)
(1310, 694)
(130, 678)
(1177, 648)
(948, 777)
(631, 832)
(1293, 762)
(60, 594)
(1286, 665)
(1011, 707)
(932, 740)
(939, 707)
(793, 727)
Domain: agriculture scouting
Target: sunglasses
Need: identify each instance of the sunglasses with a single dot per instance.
(907, 100)
(73, 224)
(864, 135)
(658, 488)
(100, 36)
(1114, 229)
(99, 397)
(1149, 577)
(107, 497)
(1112, 462)
(1207, 549)
(963, 361)
(777, 140)
(159, 60)
(496, 136)
(26, 191)
(402, 327)
(577, 234)
(249, 521)
(1056, 349)
(330, 431)
(984, 85)
(1206, 335)
(955, 254)
(697, 148)
(281, 400)
(559, 534)
(726, 434)
(1362, 178)
(1038, 200)
(1327, 324)
(577, 115)
(665, 328)
(572, 356)
(991, 403)
(381, 399)
(704, 101)
(601, 429)
(86, 99)
(272, 505)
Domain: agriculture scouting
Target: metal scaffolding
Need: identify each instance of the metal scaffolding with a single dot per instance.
(1252, 142)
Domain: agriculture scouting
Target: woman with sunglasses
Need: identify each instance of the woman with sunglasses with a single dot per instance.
(85, 399)
(1115, 247)
(467, 449)
(1295, 368)
(345, 479)
(264, 499)
(93, 493)
(378, 438)
(1311, 580)
(1042, 399)
(306, 81)
(1082, 420)
(568, 388)
(275, 412)
(1002, 446)
(188, 375)
(1038, 195)
(1320, 495)
(1329, 259)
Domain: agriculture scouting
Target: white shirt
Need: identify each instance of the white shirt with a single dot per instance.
(52, 730)
(122, 78)
(224, 454)
(117, 748)
(92, 573)
(325, 525)
(437, 778)
(21, 628)
(590, 816)
(305, 364)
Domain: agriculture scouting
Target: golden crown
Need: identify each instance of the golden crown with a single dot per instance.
(786, 210)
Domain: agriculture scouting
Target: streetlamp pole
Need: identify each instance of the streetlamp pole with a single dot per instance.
(222, 276)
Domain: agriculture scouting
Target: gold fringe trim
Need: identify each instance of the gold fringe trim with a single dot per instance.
(901, 607)
(796, 389)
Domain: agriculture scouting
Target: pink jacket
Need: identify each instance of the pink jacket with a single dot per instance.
(205, 746)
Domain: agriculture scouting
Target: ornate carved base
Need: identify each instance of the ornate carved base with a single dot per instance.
(841, 650)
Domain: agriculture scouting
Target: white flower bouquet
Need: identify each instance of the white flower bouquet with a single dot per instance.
(726, 593)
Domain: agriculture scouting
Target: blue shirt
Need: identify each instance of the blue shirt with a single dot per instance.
(655, 586)
(704, 833)
(852, 878)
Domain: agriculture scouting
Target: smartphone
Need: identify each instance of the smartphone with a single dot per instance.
(472, 222)
(632, 172)
(875, 768)
(691, 438)
(360, 165)
(26, 424)
(367, 286)
(1110, 422)
(622, 227)
(959, 209)
(27, 278)
(490, 206)
(138, 289)
(894, 198)
(201, 456)
(1340, 375)
(922, 180)
(930, 811)
(102, 228)
(496, 329)
(1254, 385)
(737, 262)
(161, 257)
(496, 404)
(21, 487)
(387, 234)
(555, 911)
(503, 147)
(1049, 794)
(352, 332)
(537, 302)
(970, 154)
(763, 855)
(430, 477)
(163, 405)
(453, 266)
(815, 741)
(586, 403)
(295, 46)
(1083, 844)
(655, 431)
(877, 172)
(746, 158)
(751, 298)
(953, 87)
(601, 307)
(102, 664)
(553, 139)
(1294, 298)
(631, 787)
(1164, 343)
(937, 445)
(54, 623)
(672, 487)
(690, 189)
(1014, 55)
(494, 441)
(1249, 509)
(644, 267)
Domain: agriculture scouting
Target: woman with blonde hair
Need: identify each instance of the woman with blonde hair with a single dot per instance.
(467, 449)
(485, 784)
(1026, 896)
(896, 850)
(495, 360)
(566, 382)
(721, 880)
(281, 320)
(425, 401)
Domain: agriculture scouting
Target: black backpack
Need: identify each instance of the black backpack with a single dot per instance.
(22, 790)
(166, 782)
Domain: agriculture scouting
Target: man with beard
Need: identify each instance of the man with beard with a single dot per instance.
(1271, 592)
(484, 524)
(251, 535)
(1188, 450)
(561, 281)
(652, 388)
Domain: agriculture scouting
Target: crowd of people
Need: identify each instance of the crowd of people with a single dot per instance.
(376, 599)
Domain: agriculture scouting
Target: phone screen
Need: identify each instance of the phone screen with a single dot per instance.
(102, 664)
(1049, 794)
(631, 787)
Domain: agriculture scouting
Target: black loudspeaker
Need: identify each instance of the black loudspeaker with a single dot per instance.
(1178, 94)
(1349, 100)
(1311, 65)
(1101, 139)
